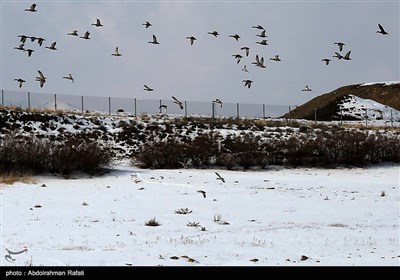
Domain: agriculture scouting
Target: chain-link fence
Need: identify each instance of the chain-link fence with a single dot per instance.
(135, 107)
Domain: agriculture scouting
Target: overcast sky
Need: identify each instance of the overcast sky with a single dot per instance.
(301, 32)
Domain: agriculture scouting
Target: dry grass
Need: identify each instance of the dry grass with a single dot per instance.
(13, 177)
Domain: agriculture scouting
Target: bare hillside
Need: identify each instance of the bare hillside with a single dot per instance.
(327, 105)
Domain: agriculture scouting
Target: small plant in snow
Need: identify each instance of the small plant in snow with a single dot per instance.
(152, 223)
(183, 211)
(218, 220)
(383, 193)
(194, 224)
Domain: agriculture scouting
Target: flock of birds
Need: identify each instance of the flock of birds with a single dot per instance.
(258, 62)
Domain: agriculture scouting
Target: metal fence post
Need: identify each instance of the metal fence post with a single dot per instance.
(82, 103)
(109, 106)
(29, 101)
(134, 103)
(55, 102)
(289, 115)
(212, 110)
(264, 111)
(2, 98)
(366, 116)
(185, 109)
(341, 117)
(391, 118)
(237, 110)
(315, 115)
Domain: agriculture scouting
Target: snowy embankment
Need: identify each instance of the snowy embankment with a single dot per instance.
(271, 217)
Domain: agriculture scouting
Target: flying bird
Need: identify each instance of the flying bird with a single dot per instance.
(247, 83)
(347, 56)
(276, 58)
(20, 81)
(40, 41)
(259, 62)
(326, 60)
(69, 77)
(23, 38)
(154, 40)
(191, 38)
(147, 88)
(116, 52)
(86, 36)
(381, 30)
(306, 88)
(338, 55)
(41, 78)
(32, 8)
(218, 101)
(180, 104)
(257, 27)
(52, 46)
(98, 23)
(245, 69)
(163, 107)
(235, 36)
(340, 45)
(30, 51)
(73, 33)
(262, 35)
(238, 57)
(247, 49)
(202, 192)
(20, 47)
(219, 177)
(33, 38)
(263, 42)
(147, 24)
(215, 33)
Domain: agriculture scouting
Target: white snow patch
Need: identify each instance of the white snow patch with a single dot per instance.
(357, 107)
(387, 83)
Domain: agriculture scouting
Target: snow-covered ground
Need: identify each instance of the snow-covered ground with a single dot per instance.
(271, 217)
(358, 107)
